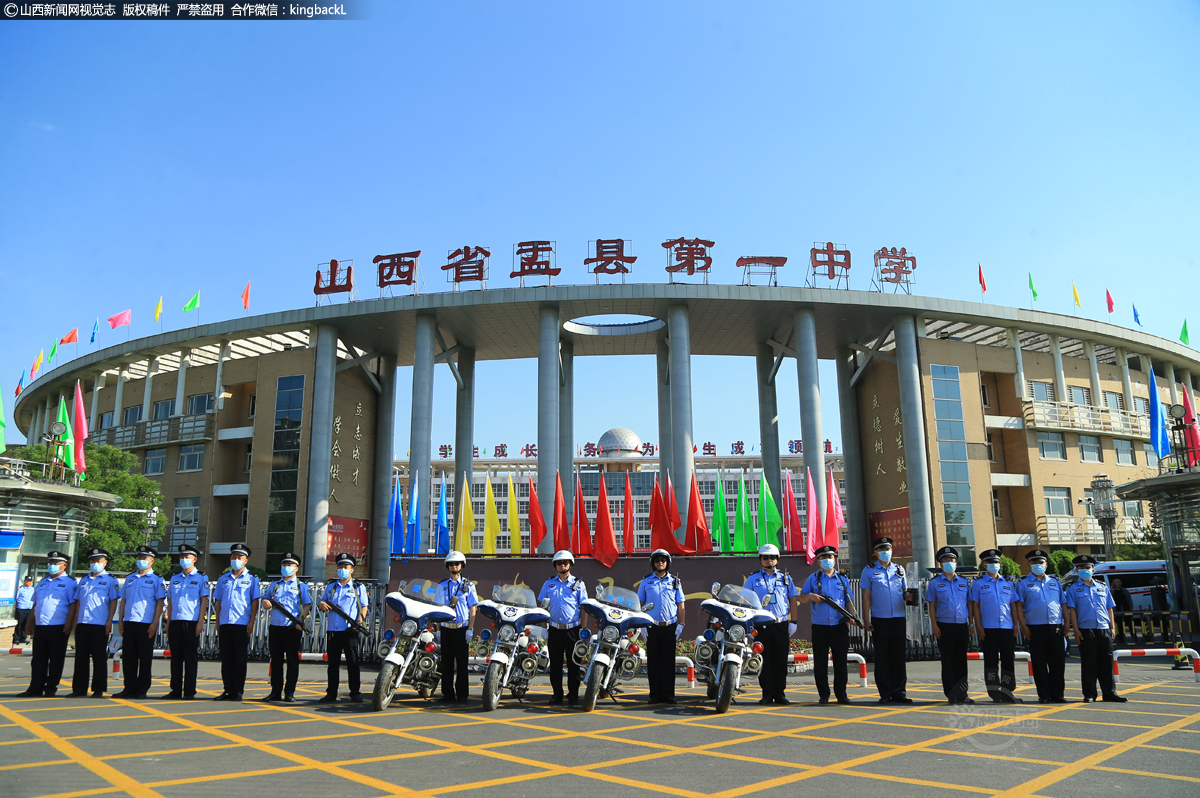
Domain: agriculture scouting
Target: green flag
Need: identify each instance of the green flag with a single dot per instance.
(67, 437)
(1183, 336)
(743, 524)
(192, 303)
(53, 352)
(720, 524)
(1032, 290)
(769, 519)
(2, 423)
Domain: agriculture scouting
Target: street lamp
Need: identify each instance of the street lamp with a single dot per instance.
(1104, 510)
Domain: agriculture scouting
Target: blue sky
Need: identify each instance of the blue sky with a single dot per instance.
(163, 158)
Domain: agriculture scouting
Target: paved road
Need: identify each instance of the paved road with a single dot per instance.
(1150, 746)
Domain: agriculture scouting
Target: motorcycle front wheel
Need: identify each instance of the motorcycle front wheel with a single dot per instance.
(492, 686)
(725, 690)
(385, 686)
(595, 680)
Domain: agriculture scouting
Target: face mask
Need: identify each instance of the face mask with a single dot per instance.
(54, 568)
(1038, 568)
(343, 573)
(884, 556)
(993, 568)
(143, 564)
(237, 565)
(186, 563)
(1085, 573)
(287, 570)
(826, 564)
(949, 567)
(96, 567)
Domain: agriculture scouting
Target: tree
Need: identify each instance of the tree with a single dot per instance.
(1060, 560)
(1009, 567)
(1142, 543)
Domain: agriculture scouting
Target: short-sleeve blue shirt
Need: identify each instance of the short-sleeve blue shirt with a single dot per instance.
(141, 594)
(1091, 604)
(25, 597)
(776, 590)
(52, 600)
(995, 597)
(184, 593)
(1041, 599)
(565, 598)
(235, 594)
(667, 594)
(348, 598)
(887, 584)
(95, 593)
(291, 594)
(948, 595)
(835, 588)
(459, 594)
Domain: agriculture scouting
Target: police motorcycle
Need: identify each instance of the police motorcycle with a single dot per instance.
(727, 651)
(516, 652)
(411, 656)
(611, 651)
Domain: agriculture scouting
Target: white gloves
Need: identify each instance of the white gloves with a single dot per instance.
(791, 629)
(470, 634)
(678, 630)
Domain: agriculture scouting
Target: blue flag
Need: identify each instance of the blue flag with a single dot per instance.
(95, 327)
(1135, 316)
(443, 525)
(1158, 428)
(412, 537)
(395, 521)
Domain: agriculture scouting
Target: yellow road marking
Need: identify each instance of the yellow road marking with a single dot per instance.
(892, 778)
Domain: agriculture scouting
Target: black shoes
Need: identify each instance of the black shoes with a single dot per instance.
(572, 702)
(327, 699)
(125, 694)
(824, 700)
(1114, 698)
(669, 701)
(766, 701)
(289, 699)
(844, 700)
(271, 697)
(356, 698)
(222, 697)
(556, 701)
(174, 695)
(77, 694)
(29, 694)
(783, 701)
(900, 699)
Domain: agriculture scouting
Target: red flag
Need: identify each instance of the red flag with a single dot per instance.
(246, 296)
(662, 534)
(581, 533)
(792, 517)
(698, 537)
(1191, 435)
(833, 513)
(672, 507)
(982, 282)
(627, 516)
(562, 530)
(122, 319)
(537, 522)
(81, 430)
(71, 338)
(605, 549)
(1108, 298)
(814, 520)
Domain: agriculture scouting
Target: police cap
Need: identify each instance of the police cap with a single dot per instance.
(291, 557)
(346, 559)
(1083, 559)
(881, 542)
(825, 550)
(990, 554)
(57, 556)
(1033, 555)
(97, 552)
(946, 551)
(239, 548)
(186, 549)
(147, 550)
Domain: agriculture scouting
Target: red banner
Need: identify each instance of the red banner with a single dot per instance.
(896, 525)
(346, 536)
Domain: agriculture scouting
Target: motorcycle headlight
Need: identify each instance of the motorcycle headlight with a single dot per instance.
(610, 634)
(506, 633)
(737, 633)
(408, 628)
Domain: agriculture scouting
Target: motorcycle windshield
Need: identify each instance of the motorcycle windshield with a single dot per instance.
(739, 597)
(514, 595)
(424, 590)
(620, 597)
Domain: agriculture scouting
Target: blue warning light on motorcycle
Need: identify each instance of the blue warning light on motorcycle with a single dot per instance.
(709, 634)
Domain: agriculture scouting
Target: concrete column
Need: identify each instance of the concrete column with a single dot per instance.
(1151, 382)
(148, 388)
(663, 352)
(1126, 383)
(1089, 349)
(71, 404)
(97, 384)
(464, 426)
(548, 422)
(35, 424)
(226, 350)
(1170, 369)
(50, 415)
(1185, 380)
(916, 462)
(420, 434)
(319, 450)
(1014, 340)
(811, 431)
(566, 424)
(1060, 378)
(768, 421)
(185, 360)
(385, 435)
(682, 456)
(856, 512)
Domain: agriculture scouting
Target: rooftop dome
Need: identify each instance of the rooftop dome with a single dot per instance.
(620, 443)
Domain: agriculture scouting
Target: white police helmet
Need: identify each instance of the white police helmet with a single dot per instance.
(456, 556)
(559, 556)
(768, 550)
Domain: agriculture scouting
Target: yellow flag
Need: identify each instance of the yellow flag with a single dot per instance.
(466, 519)
(1076, 292)
(491, 523)
(158, 309)
(514, 522)
(40, 354)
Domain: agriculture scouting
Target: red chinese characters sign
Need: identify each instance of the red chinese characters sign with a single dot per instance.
(397, 269)
(896, 525)
(332, 285)
(534, 259)
(610, 257)
(467, 264)
(688, 255)
(346, 536)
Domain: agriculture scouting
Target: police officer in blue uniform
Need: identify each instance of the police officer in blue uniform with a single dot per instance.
(97, 593)
(50, 623)
(142, 599)
(459, 594)
(1039, 611)
(950, 616)
(1091, 612)
(665, 591)
(830, 629)
(351, 598)
(561, 595)
(24, 605)
(236, 595)
(284, 638)
(991, 597)
(780, 598)
(187, 599)
(883, 585)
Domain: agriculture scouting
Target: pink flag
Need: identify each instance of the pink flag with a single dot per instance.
(814, 521)
(791, 516)
(121, 319)
(1108, 298)
(833, 513)
(1191, 435)
(81, 430)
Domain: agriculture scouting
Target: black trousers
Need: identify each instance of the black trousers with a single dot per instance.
(1049, 660)
(454, 664)
(891, 672)
(185, 656)
(91, 649)
(1095, 662)
(776, 651)
(345, 643)
(998, 662)
(284, 644)
(561, 645)
(19, 633)
(953, 647)
(830, 640)
(234, 642)
(49, 653)
(660, 662)
(137, 657)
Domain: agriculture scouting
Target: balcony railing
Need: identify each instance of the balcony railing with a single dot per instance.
(1086, 418)
(176, 429)
(36, 471)
(1076, 530)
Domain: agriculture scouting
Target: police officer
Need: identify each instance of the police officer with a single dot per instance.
(666, 592)
(50, 622)
(97, 592)
(883, 585)
(830, 629)
(1091, 610)
(950, 615)
(458, 594)
(142, 599)
(779, 597)
(284, 637)
(24, 605)
(991, 597)
(187, 600)
(561, 595)
(1039, 611)
(351, 598)
(236, 596)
